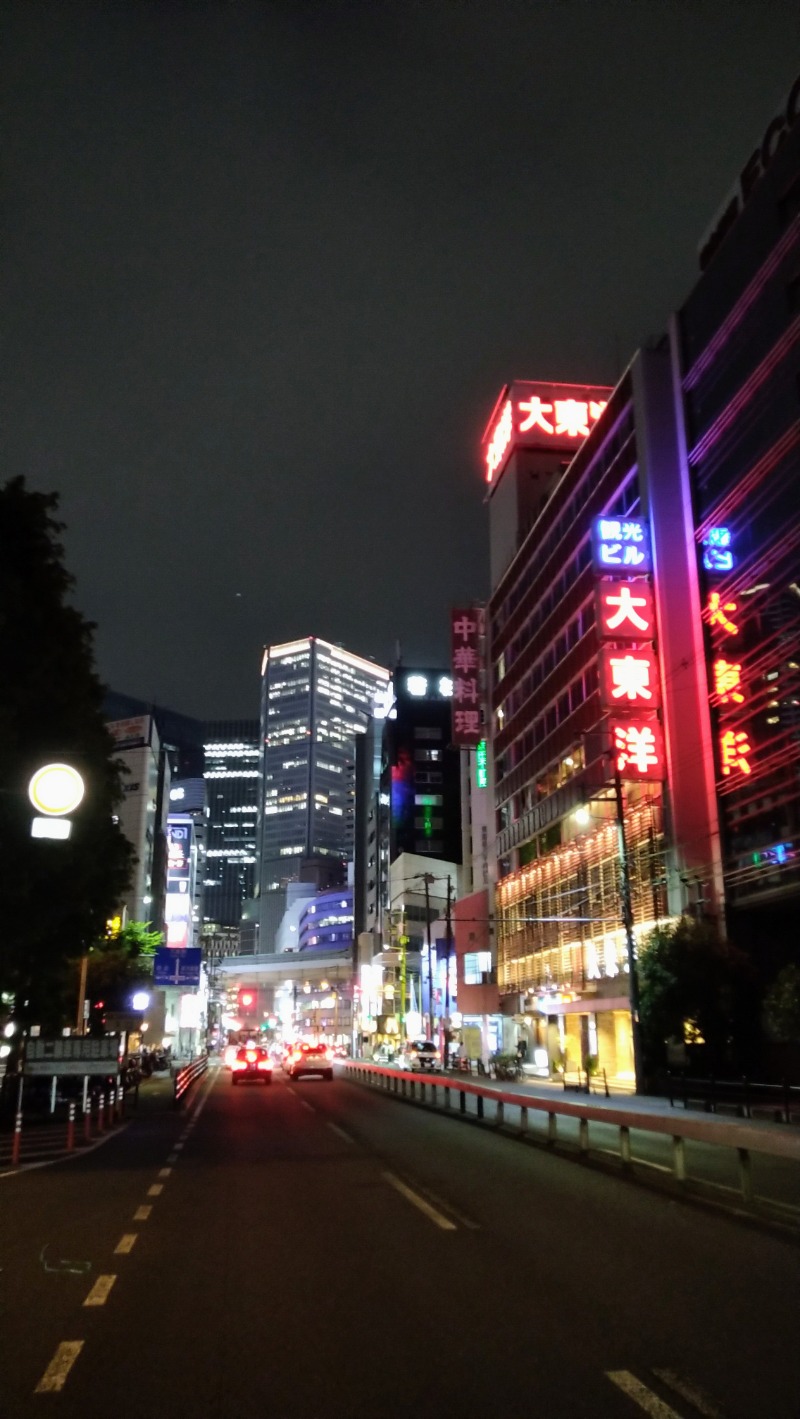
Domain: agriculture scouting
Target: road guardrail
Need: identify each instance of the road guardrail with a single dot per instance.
(467, 1099)
(185, 1077)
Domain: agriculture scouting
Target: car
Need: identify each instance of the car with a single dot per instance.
(251, 1063)
(310, 1059)
(420, 1054)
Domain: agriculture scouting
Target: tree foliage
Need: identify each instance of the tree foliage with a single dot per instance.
(117, 964)
(782, 1006)
(56, 896)
(688, 975)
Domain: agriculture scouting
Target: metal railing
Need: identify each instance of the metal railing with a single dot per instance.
(185, 1077)
(738, 1139)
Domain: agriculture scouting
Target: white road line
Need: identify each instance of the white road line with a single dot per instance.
(172, 1157)
(100, 1291)
(55, 1376)
(414, 1198)
(164, 1172)
(641, 1395)
(309, 1108)
(689, 1392)
(142, 1213)
(155, 1189)
(125, 1244)
(178, 1147)
(334, 1127)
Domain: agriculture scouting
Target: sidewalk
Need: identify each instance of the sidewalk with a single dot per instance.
(617, 1103)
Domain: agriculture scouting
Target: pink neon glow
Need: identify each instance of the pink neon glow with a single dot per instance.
(728, 682)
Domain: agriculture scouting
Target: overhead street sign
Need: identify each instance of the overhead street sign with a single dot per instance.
(177, 966)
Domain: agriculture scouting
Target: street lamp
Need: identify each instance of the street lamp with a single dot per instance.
(55, 790)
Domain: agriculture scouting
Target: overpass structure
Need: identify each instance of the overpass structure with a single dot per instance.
(297, 967)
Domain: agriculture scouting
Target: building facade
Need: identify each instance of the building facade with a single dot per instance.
(143, 815)
(232, 778)
(316, 698)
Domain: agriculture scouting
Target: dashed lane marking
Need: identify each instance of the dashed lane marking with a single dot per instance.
(142, 1213)
(178, 1147)
(309, 1108)
(125, 1244)
(172, 1157)
(691, 1393)
(100, 1291)
(155, 1189)
(164, 1172)
(641, 1395)
(334, 1127)
(432, 1213)
(55, 1376)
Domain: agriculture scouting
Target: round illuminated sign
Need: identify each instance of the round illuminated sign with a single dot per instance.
(141, 1000)
(56, 789)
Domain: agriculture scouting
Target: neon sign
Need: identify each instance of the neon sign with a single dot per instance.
(533, 415)
(735, 751)
(719, 612)
(638, 748)
(625, 610)
(481, 766)
(718, 550)
(728, 682)
(621, 543)
(629, 678)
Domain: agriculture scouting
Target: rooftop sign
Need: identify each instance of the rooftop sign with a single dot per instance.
(533, 415)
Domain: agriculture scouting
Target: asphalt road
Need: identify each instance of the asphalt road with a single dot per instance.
(317, 1250)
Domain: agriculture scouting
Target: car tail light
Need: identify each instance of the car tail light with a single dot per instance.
(239, 1064)
(327, 1054)
(251, 1056)
(264, 1064)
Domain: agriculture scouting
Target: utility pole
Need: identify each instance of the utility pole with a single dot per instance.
(627, 921)
(427, 879)
(80, 1023)
(449, 938)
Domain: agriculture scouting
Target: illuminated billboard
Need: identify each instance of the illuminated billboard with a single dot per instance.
(533, 415)
(178, 905)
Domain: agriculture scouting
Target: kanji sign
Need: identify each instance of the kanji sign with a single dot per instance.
(533, 415)
(629, 678)
(625, 610)
(621, 544)
(638, 748)
(734, 751)
(466, 632)
(728, 685)
(718, 614)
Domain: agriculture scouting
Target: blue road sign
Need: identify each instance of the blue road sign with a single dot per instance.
(177, 966)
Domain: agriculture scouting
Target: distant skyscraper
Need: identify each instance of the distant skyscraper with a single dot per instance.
(315, 699)
(231, 753)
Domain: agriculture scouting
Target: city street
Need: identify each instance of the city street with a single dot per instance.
(314, 1249)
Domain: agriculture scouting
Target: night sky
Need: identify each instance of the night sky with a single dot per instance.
(267, 265)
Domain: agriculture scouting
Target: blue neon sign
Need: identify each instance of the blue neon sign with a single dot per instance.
(621, 544)
(718, 550)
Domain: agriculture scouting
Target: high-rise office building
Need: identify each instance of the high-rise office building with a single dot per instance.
(232, 774)
(315, 699)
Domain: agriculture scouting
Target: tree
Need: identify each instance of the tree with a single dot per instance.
(782, 1006)
(118, 963)
(56, 895)
(689, 976)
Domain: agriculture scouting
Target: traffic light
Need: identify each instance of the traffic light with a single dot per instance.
(246, 997)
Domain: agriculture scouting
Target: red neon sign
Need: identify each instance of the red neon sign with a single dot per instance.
(625, 610)
(533, 415)
(629, 678)
(638, 748)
